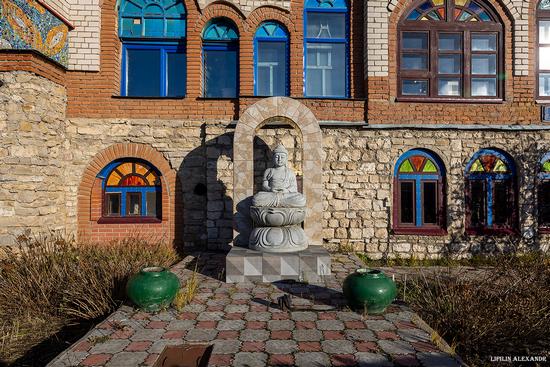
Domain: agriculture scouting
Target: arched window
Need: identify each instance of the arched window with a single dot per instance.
(154, 62)
(543, 184)
(326, 48)
(131, 189)
(450, 50)
(418, 201)
(220, 58)
(271, 50)
(491, 205)
(543, 62)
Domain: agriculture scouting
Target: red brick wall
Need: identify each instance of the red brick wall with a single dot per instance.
(31, 61)
(90, 94)
(90, 198)
(518, 106)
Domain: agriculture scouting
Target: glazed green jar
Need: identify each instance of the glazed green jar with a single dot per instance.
(369, 289)
(152, 288)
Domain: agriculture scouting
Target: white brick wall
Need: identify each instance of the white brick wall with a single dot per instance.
(84, 39)
(377, 13)
(63, 7)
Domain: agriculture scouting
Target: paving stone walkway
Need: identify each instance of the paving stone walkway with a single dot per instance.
(247, 328)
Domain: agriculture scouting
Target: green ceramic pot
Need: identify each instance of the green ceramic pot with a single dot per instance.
(369, 289)
(152, 288)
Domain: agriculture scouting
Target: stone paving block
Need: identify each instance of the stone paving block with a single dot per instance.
(125, 359)
(407, 360)
(365, 359)
(249, 359)
(437, 360)
(399, 316)
(69, 359)
(349, 316)
(159, 345)
(307, 335)
(210, 316)
(109, 346)
(280, 325)
(414, 335)
(181, 325)
(236, 308)
(257, 316)
(378, 325)
(96, 359)
(303, 316)
(329, 325)
(360, 335)
(254, 335)
(226, 346)
(147, 334)
(201, 335)
(338, 346)
(312, 359)
(280, 346)
(230, 325)
(193, 307)
(342, 360)
(396, 347)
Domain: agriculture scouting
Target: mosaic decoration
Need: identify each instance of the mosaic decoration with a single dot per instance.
(544, 5)
(25, 25)
(464, 11)
(546, 167)
(488, 163)
(133, 174)
(418, 164)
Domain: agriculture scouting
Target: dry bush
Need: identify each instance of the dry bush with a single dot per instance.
(50, 282)
(501, 311)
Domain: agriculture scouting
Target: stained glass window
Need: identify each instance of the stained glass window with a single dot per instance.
(418, 202)
(271, 51)
(131, 188)
(154, 62)
(326, 45)
(543, 199)
(449, 49)
(490, 192)
(220, 59)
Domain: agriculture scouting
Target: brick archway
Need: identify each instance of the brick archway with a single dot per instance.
(302, 119)
(89, 201)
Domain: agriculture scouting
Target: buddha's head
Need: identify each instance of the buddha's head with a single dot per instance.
(280, 156)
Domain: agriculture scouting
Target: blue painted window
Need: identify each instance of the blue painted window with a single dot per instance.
(154, 60)
(220, 58)
(490, 192)
(131, 188)
(326, 49)
(271, 60)
(418, 193)
(543, 183)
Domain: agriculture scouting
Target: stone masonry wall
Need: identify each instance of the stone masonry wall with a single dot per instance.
(32, 154)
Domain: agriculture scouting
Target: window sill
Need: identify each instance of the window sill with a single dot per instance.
(450, 100)
(128, 220)
(543, 101)
(491, 232)
(420, 231)
(145, 97)
(235, 99)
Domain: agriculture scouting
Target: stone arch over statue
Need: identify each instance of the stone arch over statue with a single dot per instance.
(302, 119)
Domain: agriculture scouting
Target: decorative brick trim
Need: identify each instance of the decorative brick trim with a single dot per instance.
(90, 197)
(302, 119)
(34, 62)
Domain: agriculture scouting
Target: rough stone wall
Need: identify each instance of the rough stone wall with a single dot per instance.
(358, 177)
(32, 154)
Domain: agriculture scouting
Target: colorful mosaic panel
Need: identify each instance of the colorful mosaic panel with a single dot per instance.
(544, 5)
(418, 164)
(489, 164)
(465, 11)
(546, 167)
(133, 174)
(25, 25)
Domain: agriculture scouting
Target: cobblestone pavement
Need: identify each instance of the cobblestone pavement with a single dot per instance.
(248, 329)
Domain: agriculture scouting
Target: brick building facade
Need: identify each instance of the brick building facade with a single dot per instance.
(66, 123)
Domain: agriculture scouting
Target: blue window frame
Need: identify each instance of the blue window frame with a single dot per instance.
(154, 60)
(419, 206)
(131, 188)
(326, 49)
(271, 61)
(220, 59)
(491, 205)
(543, 199)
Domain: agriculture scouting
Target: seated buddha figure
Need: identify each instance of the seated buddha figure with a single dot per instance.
(279, 188)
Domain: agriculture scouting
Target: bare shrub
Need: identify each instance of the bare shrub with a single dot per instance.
(49, 282)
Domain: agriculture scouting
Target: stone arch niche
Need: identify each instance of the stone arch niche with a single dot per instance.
(300, 118)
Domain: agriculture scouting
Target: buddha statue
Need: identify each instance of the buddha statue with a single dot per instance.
(278, 210)
(279, 188)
